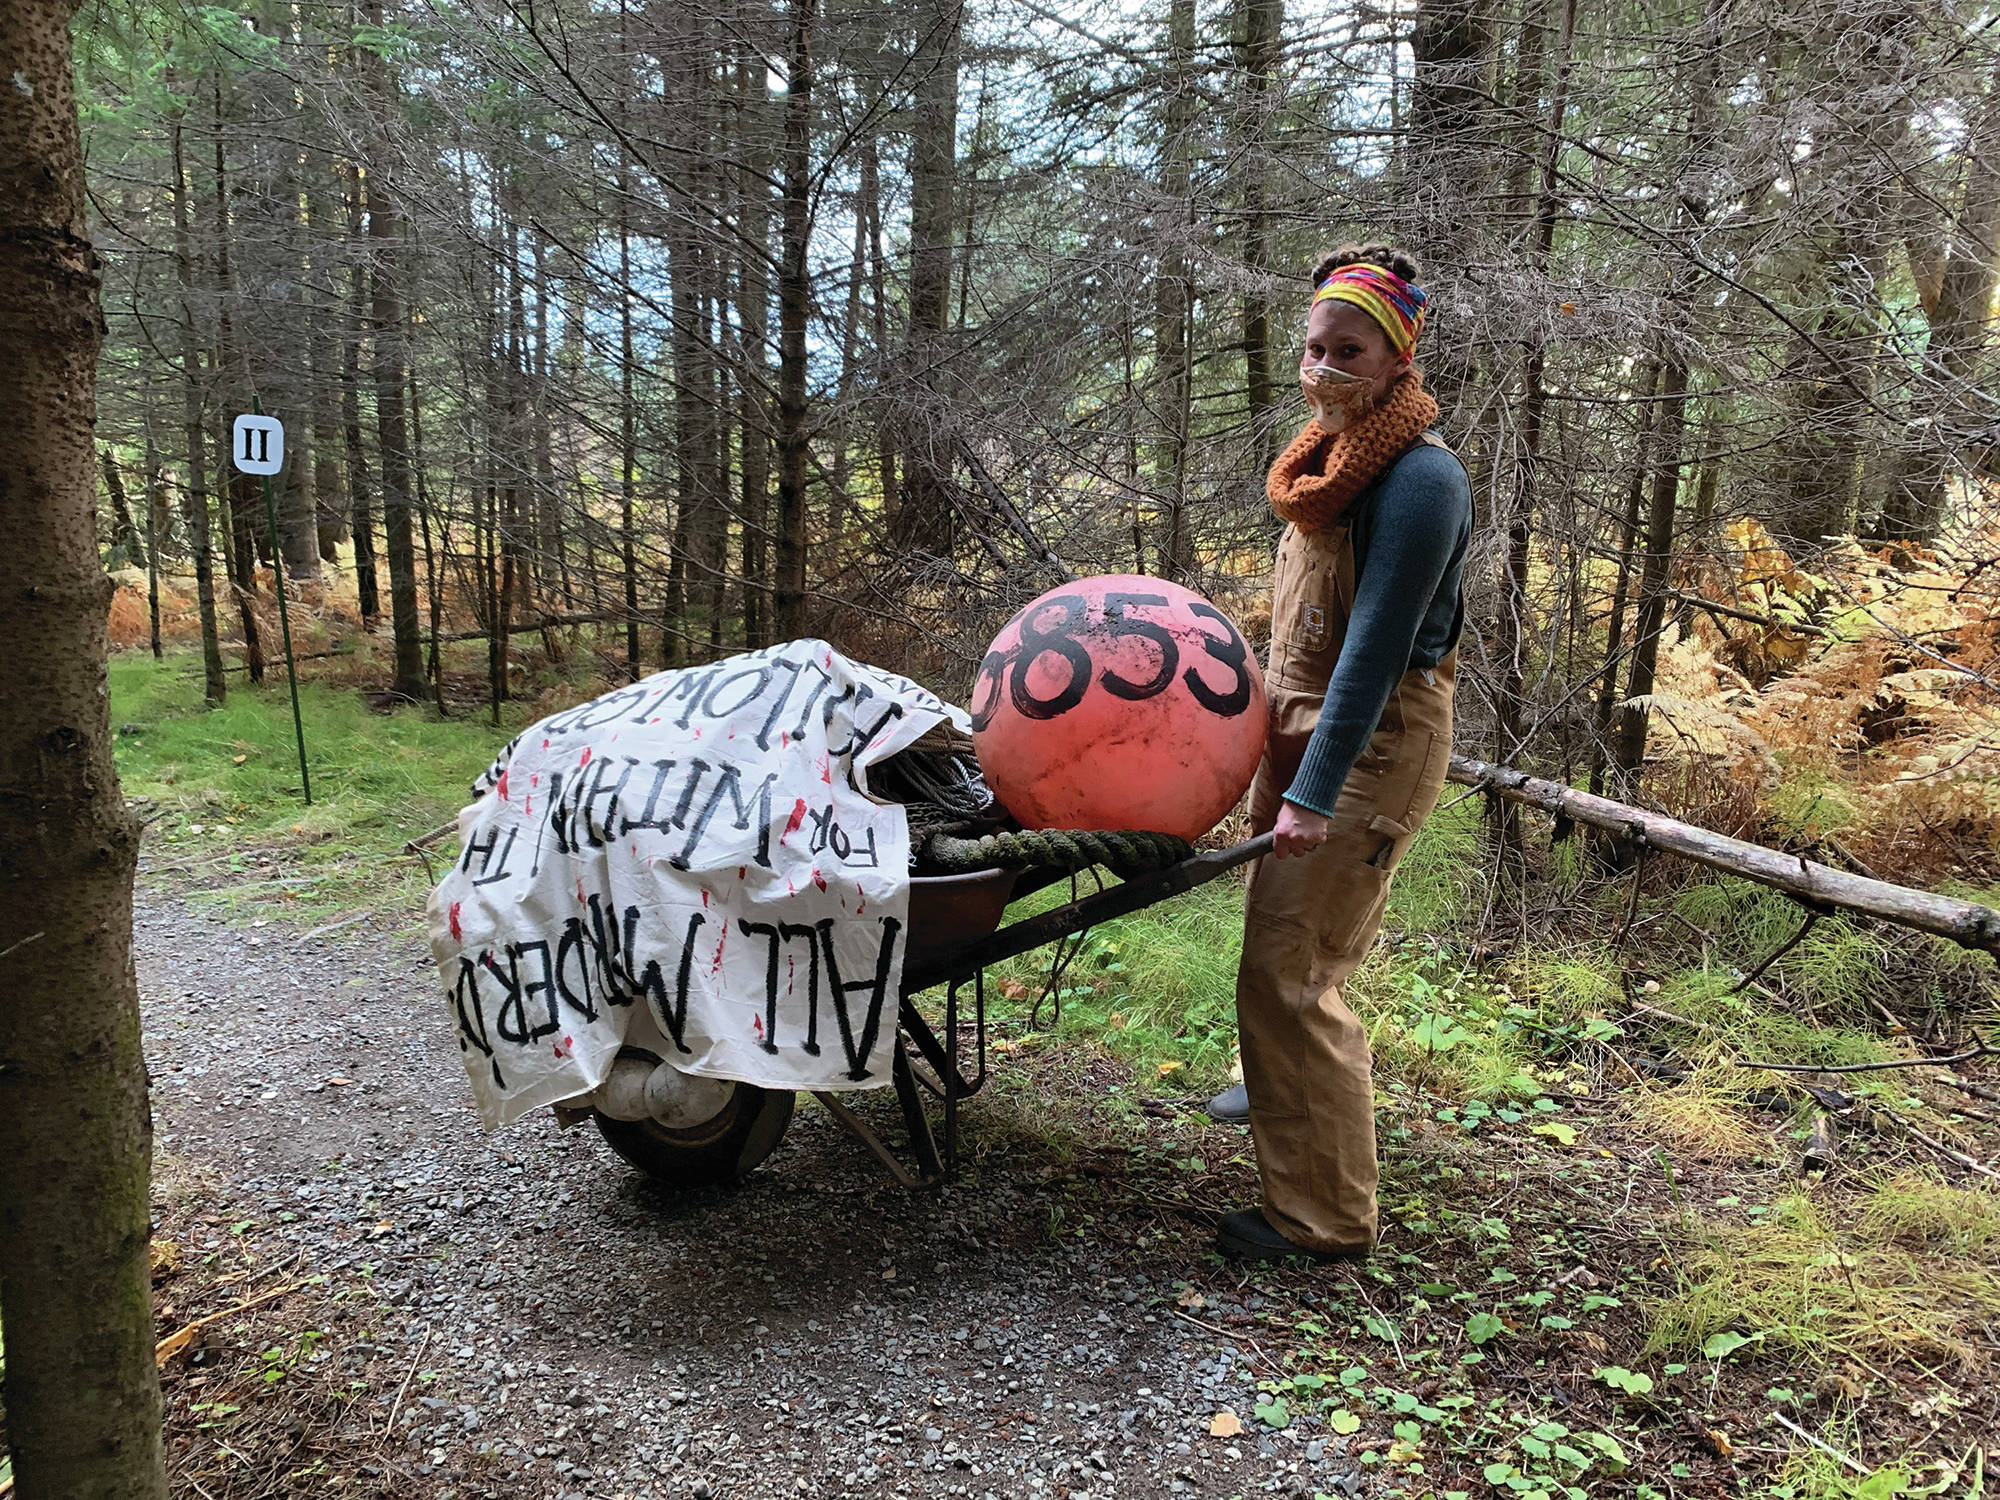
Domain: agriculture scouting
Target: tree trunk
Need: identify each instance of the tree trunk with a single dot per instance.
(1173, 294)
(82, 1389)
(322, 392)
(628, 418)
(870, 208)
(794, 308)
(1951, 401)
(123, 532)
(360, 515)
(156, 533)
(1446, 169)
(1263, 23)
(1517, 621)
(923, 514)
(1671, 419)
(215, 682)
(753, 305)
(1628, 538)
(385, 233)
(1654, 561)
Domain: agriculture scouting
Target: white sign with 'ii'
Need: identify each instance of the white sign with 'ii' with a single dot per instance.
(257, 444)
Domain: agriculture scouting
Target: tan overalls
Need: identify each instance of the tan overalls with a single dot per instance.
(1311, 919)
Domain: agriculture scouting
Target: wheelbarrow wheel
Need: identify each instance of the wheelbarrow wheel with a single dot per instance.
(722, 1148)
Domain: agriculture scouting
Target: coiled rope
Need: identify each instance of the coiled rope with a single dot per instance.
(1124, 851)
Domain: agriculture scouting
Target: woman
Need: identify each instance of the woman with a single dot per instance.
(1365, 617)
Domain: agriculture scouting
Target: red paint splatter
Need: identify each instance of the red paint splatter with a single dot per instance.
(502, 788)
(716, 967)
(757, 1025)
(545, 744)
(704, 898)
(819, 880)
(798, 818)
(565, 1048)
(528, 808)
(586, 756)
(742, 872)
(826, 770)
(580, 899)
(457, 933)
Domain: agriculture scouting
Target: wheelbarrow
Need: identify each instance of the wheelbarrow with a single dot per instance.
(688, 1132)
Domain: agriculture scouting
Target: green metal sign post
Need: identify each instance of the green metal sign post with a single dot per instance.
(258, 447)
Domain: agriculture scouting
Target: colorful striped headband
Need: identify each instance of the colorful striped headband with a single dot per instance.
(1383, 295)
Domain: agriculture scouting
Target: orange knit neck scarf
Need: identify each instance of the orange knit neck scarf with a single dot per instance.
(1319, 475)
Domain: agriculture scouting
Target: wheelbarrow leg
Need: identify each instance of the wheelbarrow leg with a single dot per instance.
(923, 1144)
(864, 1133)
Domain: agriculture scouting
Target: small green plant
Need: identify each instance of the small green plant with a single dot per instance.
(1632, 1382)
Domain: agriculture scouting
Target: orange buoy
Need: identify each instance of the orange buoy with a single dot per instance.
(1120, 702)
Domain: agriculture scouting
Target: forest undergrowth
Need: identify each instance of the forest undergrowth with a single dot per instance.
(1623, 1255)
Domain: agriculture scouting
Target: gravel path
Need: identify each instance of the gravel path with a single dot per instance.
(813, 1331)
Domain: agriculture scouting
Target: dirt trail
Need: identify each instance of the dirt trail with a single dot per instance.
(815, 1330)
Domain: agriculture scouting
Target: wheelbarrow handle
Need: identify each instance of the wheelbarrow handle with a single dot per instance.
(1121, 900)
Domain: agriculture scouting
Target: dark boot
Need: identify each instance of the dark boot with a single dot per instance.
(1248, 1235)
(1231, 1105)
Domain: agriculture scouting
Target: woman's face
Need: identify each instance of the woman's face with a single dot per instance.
(1342, 335)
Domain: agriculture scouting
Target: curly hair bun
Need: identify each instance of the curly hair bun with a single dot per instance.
(1387, 256)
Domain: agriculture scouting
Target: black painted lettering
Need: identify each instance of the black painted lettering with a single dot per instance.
(769, 932)
(866, 856)
(488, 875)
(729, 783)
(648, 818)
(759, 678)
(601, 831)
(671, 1015)
(788, 931)
(859, 1045)
(471, 1013)
(573, 958)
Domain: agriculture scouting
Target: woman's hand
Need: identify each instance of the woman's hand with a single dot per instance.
(1300, 830)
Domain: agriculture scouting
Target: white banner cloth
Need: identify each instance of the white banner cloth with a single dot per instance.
(701, 843)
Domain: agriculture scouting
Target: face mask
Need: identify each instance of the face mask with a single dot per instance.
(1338, 399)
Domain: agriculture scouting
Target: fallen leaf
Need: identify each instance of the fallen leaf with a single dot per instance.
(1225, 1424)
(339, 1080)
(890, 1274)
(1189, 1297)
(1168, 1067)
(1719, 1441)
(165, 1258)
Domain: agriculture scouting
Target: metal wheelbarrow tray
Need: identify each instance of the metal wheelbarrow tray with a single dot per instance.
(955, 931)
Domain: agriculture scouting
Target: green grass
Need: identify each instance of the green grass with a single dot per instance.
(221, 790)
(1810, 1280)
(1158, 988)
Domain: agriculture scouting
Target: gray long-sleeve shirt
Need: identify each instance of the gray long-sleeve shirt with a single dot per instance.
(1412, 528)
